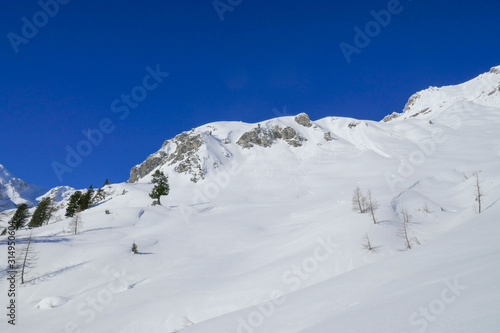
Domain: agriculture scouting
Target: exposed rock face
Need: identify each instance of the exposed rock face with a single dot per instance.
(265, 137)
(184, 155)
(390, 117)
(303, 119)
(353, 124)
(424, 111)
(411, 102)
(328, 136)
(495, 70)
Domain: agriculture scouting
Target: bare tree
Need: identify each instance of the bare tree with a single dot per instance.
(371, 206)
(478, 191)
(426, 208)
(367, 244)
(404, 231)
(76, 221)
(27, 258)
(358, 201)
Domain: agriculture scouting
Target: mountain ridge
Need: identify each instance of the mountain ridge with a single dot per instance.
(180, 154)
(14, 191)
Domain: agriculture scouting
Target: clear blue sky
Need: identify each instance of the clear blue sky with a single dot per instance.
(264, 55)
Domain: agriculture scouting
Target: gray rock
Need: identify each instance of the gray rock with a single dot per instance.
(353, 124)
(265, 137)
(141, 170)
(303, 119)
(390, 117)
(187, 144)
(411, 101)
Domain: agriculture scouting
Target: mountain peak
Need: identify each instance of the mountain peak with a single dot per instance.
(495, 70)
(14, 191)
(483, 90)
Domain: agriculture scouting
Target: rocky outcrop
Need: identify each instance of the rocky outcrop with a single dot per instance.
(303, 119)
(495, 70)
(265, 137)
(184, 148)
(141, 170)
(411, 102)
(390, 117)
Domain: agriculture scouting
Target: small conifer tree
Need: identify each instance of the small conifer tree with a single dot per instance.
(74, 202)
(20, 216)
(41, 214)
(161, 185)
(86, 199)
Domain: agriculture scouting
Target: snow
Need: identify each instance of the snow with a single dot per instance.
(268, 242)
(14, 191)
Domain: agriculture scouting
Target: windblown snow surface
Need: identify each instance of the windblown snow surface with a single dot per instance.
(268, 241)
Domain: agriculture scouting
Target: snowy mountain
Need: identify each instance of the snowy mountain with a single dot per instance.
(258, 233)
(14, 191)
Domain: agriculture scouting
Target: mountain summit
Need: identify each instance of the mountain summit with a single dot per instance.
(483, 90)
(14, 191)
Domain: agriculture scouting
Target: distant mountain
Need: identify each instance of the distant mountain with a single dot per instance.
(14, 191)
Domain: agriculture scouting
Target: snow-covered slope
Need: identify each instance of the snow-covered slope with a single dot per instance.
(258, 233)
(14, 191)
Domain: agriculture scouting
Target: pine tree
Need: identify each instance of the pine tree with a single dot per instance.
(86, 199)
(100, 195)
(134, 248)
(74, 201)
(106, 182)
(20, 216)
(161, 187)
(42, 213)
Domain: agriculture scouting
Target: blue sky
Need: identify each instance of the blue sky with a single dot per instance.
(62, 79)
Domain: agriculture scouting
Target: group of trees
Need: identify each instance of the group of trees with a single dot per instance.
(364, 204)
(41, 216)
(404, 232)
(78, 201)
